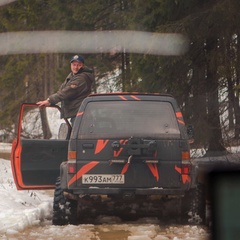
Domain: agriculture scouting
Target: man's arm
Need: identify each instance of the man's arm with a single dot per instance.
(70, 91)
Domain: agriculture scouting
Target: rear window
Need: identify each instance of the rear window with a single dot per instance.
(124, 119)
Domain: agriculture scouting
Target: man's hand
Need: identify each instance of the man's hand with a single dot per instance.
(44, 103)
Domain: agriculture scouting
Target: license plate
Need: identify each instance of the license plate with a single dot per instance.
(103, 179)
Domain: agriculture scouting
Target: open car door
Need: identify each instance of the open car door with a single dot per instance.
(40, 147)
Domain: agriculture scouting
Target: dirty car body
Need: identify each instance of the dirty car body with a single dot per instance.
(125, 148)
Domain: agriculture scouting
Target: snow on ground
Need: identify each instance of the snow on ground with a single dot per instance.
(27, 215)
(20, 209)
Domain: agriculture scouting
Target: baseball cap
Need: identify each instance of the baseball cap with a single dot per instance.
(77, 58)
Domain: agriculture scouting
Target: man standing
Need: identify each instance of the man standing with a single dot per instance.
(74, 89)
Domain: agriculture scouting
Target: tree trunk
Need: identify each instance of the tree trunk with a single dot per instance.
(215, 146)
(231, 104)
(47, 86)
(199, 117)
(45, 126)
(236, 96)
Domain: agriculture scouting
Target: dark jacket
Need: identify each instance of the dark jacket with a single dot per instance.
(71, 93)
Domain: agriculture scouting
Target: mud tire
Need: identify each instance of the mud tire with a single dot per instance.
(198, 206)
(194, 206)
(64, 209)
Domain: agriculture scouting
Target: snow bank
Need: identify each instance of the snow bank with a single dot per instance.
(20, 209)
(5, 147)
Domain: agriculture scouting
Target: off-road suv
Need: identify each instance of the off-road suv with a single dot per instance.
(128, 155)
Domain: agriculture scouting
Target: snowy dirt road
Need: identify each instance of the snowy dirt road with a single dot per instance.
(27, 215)
(144, 229)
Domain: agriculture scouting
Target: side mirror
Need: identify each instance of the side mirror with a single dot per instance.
(190, 133)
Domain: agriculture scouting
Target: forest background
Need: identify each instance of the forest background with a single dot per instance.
(205, 80)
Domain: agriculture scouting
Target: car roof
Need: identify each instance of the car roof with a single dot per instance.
(130, 93)
(131, 96)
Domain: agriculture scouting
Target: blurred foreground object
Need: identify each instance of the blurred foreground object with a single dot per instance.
(93, 42)
(225, 197)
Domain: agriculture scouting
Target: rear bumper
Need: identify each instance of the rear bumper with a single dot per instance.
(139, 191)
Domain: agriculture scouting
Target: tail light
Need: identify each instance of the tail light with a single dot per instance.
(186, 166)
(71, 167)
(185, 155)
(72, 155)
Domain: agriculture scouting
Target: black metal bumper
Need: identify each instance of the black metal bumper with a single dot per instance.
(139, 191)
